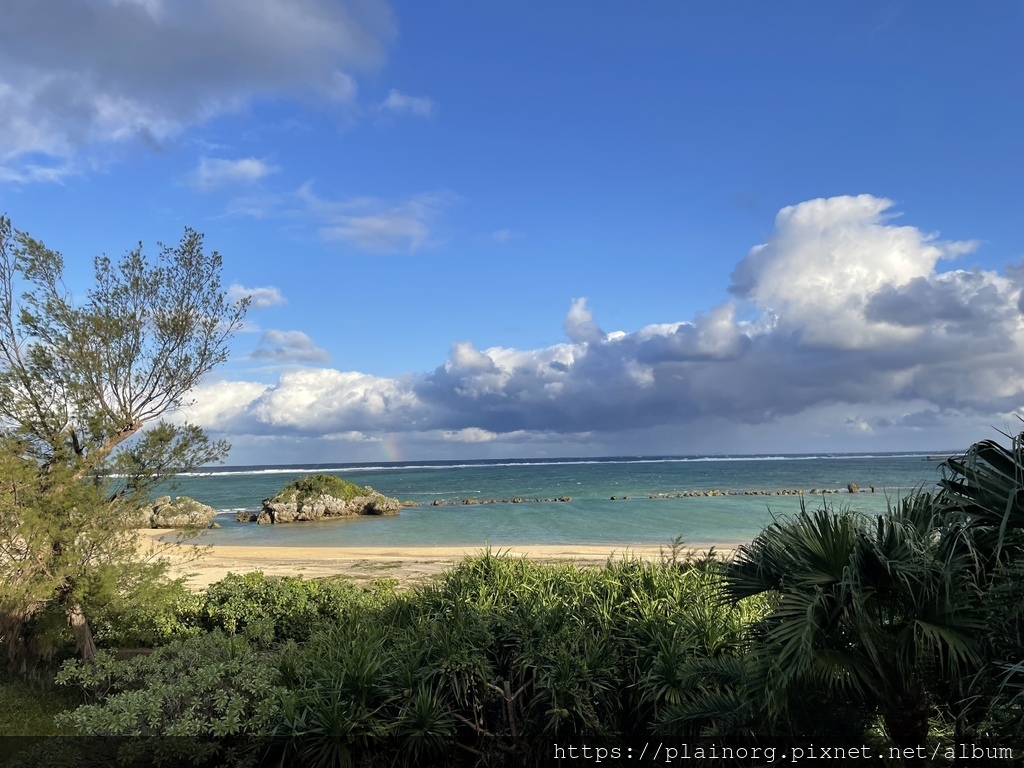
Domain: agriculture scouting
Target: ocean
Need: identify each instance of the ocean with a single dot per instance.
(591, 517)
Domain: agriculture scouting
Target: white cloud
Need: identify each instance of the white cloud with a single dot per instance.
(288, 347)
(216, 406)
(464, 356)
(579, 323)
(260, 298)
(352, 436)
(400, 104)
(215, 172)
(827, 257)
(470, 435)
(78, 77)
(32, 173)
(855, 333)
(325, 401)
(376, 226)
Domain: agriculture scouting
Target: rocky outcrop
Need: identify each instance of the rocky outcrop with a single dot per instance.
(182, 512)
(321, 497)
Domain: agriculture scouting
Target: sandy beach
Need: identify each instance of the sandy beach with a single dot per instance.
(408, 565)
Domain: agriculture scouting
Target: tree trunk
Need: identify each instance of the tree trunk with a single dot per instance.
(907, 724)
(12, 631)
(82, 632)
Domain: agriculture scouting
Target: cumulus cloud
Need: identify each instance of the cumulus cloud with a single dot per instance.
(825, 260)
(377, 226)
(215, 172)
(398, 103)
(260, 298)
(80, 76)
(579, 323)
(288, 347)
(323, 401)
(220, 405)
(852, 322)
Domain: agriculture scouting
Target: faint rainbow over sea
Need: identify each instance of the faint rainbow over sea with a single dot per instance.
(390, 448)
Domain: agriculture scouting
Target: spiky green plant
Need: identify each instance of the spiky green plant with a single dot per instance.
(984, 489)
(983, 495)
(867, 609)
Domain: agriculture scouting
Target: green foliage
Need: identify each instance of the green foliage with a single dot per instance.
(79, 385)
(282, 608)
(501, 657)
(29, 711)
(64, 544)
(868, 610)
(76, 381)
(207, 700)
(983, 498)
(495, 660)
(311, 486)
(983, 491)
(155, 613)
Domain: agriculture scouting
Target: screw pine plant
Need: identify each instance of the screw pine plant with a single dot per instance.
(983, 497)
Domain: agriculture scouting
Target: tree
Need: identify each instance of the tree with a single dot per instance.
(83, 392)
(872, 610)
(982, 492)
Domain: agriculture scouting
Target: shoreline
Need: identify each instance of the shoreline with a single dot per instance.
(410, 566)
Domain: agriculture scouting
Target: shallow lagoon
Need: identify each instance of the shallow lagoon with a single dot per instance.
(590, 518)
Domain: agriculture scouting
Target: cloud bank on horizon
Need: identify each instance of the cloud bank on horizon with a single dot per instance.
(841, 307)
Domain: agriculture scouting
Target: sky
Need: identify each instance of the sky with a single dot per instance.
(483, 230)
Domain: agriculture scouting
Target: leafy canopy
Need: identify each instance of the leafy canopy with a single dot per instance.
(77, 381)
(84, 388)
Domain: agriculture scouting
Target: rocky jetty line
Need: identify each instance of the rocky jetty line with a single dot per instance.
(512, 500)
(320, 497)
(182, 512)
(851, 488)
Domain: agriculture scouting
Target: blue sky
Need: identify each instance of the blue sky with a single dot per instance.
(533, 229)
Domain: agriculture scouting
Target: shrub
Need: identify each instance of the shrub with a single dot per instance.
(207, 700)
(279, 608)
(493, 662)
(158, 614)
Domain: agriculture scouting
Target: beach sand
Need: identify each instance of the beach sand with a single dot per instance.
(408, 565)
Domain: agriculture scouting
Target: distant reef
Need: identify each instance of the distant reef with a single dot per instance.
(320, 497)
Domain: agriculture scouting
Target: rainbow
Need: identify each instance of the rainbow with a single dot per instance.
(390, 448)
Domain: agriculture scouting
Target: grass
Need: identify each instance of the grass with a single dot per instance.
(25, 710)
(373, 565)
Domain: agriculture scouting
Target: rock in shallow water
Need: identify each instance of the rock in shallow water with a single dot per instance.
(321, 497)
(182, 512)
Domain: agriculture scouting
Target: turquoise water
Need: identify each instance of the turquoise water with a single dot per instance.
(590, 518)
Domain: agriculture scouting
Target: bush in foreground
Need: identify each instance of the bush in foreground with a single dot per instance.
(496, 661)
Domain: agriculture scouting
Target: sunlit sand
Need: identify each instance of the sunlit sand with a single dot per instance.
(407, 565)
